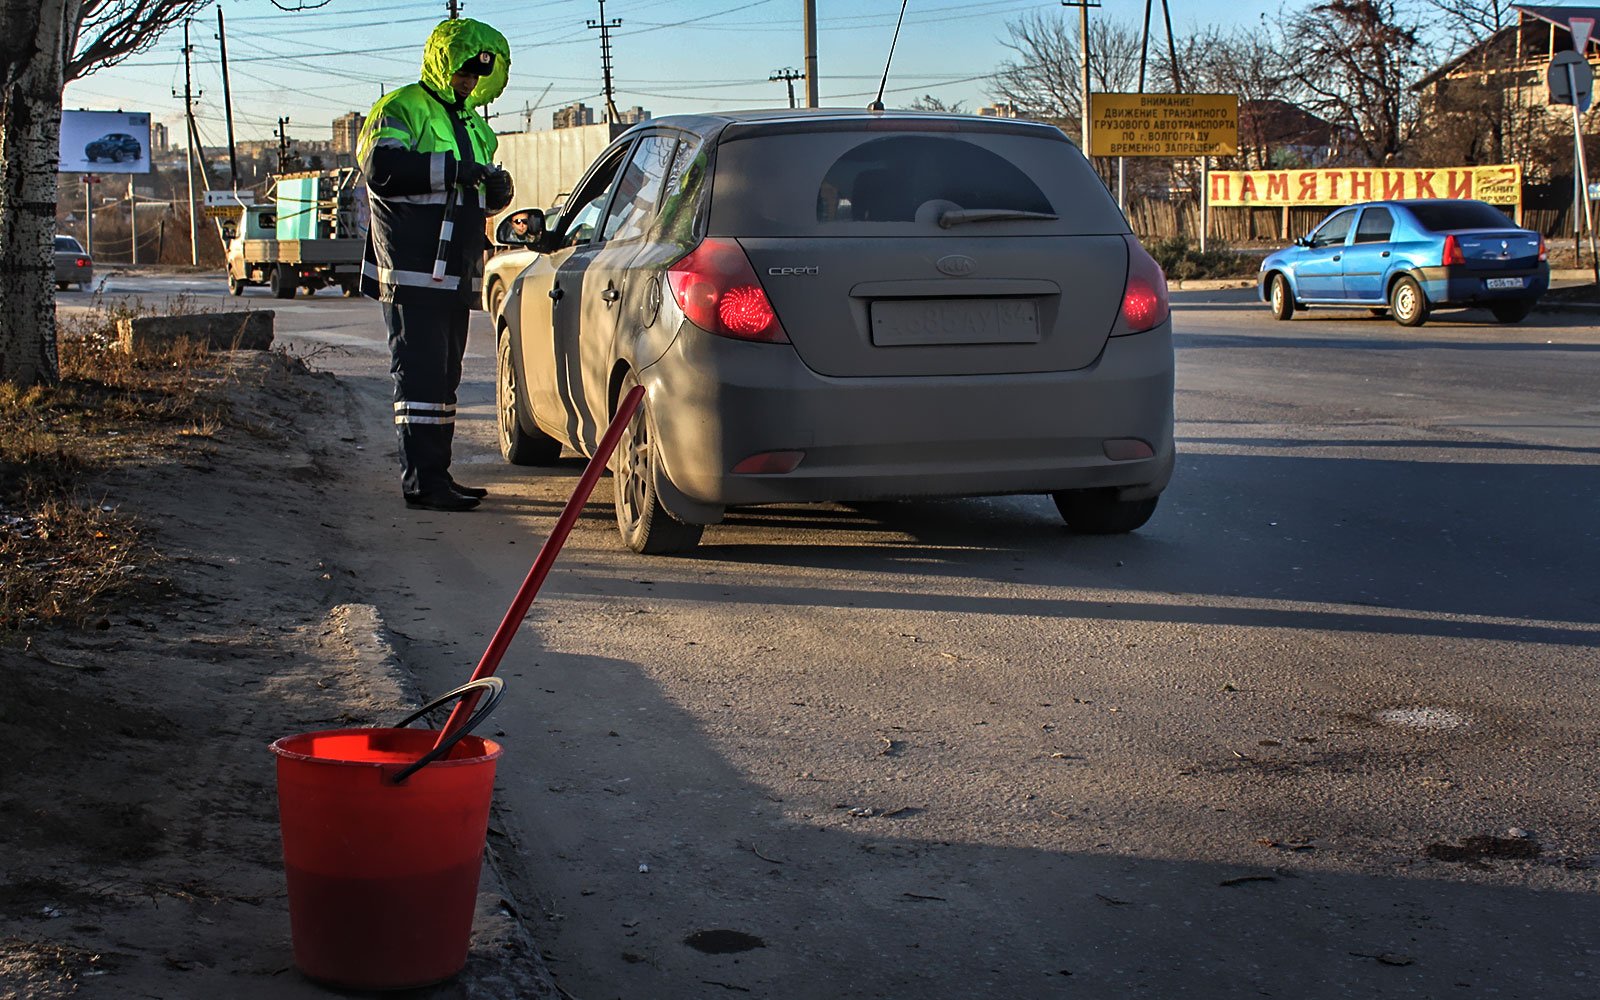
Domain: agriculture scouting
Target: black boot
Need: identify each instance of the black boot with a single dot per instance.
(441, 500)
(469, 491)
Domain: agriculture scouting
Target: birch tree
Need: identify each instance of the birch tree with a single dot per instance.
(45, 44)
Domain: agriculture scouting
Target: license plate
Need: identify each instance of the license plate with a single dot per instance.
(1502, 282)
(931, 322)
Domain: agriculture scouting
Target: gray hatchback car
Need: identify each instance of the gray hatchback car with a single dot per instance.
(73, 265)
(842, 306)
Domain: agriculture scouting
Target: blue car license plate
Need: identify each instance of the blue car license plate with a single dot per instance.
(925, 322)
(1502, 282)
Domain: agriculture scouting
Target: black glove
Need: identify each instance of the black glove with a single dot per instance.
(498, 190)
(470, 173)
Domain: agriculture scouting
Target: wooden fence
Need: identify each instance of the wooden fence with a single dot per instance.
(1155, 220)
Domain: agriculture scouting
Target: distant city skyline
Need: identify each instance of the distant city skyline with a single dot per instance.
(671, 56)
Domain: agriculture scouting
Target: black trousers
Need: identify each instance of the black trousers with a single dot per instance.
(426, 345)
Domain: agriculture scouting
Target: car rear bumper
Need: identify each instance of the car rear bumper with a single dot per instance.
(897, 437)
(1457, 285)
(72, 274)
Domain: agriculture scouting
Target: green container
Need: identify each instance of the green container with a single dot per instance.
(297, 208)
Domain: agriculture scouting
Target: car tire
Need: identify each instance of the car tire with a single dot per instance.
(1514, 311)
(284, 283)
(62, 286)
(497, 298)
(517, 446)
(1100, 512)
(235, 285)
(644, 524)
(1279, 297)
(350, 289)
(1407, 303)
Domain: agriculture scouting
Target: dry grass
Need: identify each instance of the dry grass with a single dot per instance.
(64, 552)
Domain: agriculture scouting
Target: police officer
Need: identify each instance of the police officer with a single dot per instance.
(426, 149)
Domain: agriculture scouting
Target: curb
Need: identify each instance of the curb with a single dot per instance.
(504, 960)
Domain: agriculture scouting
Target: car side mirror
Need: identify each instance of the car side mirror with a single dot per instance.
(1303, 241)
(523, 229)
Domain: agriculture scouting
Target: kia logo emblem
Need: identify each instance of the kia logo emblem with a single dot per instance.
(957, 265)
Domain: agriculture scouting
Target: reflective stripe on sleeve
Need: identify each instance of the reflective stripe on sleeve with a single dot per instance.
(436, 171)
(416, 279)
(431, 198)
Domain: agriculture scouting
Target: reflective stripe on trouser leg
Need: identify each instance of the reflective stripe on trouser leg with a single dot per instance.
(425, 367)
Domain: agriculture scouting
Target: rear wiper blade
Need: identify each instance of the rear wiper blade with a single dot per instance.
(958, 216)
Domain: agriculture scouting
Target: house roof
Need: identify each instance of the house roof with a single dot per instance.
(1281, 123)
(1558, 16)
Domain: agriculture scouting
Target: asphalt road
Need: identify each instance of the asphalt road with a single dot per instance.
(946, 749)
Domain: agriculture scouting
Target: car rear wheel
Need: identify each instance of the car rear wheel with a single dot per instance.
(1100, 512)
(517, 446)
(1407, 303)
(62, 286)
(644, 524)
(1514, 311)
(1280, 298)
(235, 286)
(284, 282)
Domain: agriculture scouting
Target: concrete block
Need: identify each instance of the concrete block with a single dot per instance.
(220, 331)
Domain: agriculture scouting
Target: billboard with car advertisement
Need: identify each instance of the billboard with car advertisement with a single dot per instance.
(105, 142)
(1500, 184)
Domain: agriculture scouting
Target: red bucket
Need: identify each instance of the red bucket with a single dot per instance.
(382, 853)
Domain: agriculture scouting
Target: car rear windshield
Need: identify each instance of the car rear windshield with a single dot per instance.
(1442, 216)
(865, 183)
(67, 244)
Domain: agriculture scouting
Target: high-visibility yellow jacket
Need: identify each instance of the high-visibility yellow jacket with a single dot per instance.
(410, 150)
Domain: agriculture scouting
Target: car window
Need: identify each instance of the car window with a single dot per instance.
(1377, 226)
(682, 193)
(639, 188)
(1334, 230)
(1442, 216)
(582, 222)
(862, 183)
(67, 244)
(889, 179)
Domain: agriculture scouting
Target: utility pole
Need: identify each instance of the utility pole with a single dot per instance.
(133, 220)
(283, 145)
(188, 114)
(604, 27)
(811, 53)
(788, 75)
(455, 9)
(1083, 49)
(227, 103)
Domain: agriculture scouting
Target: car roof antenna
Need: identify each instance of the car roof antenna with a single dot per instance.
(877, 105)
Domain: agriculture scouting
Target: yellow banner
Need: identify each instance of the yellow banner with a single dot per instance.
(1174, 125)
(1499, 185)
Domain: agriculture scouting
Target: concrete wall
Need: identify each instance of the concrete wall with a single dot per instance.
(546, 165)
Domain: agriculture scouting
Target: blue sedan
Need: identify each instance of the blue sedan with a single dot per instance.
(1409, 258)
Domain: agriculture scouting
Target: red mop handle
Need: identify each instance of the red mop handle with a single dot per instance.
(546, 558)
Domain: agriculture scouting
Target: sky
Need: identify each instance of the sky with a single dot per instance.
(668, 56)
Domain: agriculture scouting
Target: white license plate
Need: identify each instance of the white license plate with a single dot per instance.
(925, 322)
(1502, 282)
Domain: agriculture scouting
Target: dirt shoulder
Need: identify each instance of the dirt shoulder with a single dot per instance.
(140, 854)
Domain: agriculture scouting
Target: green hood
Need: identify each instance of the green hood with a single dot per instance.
(452, 44)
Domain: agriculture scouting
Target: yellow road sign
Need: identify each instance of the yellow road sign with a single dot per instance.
(1173, 125)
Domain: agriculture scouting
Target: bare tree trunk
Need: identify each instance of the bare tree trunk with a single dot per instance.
(34, 37)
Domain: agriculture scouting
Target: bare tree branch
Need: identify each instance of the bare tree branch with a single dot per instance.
(110, 31)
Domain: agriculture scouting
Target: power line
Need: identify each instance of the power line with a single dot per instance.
(604, 27)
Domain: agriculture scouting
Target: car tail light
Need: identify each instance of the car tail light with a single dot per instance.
(83, 262)
(719, 292)
(1544, 251)
(1144, 298)
(1452, 251)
